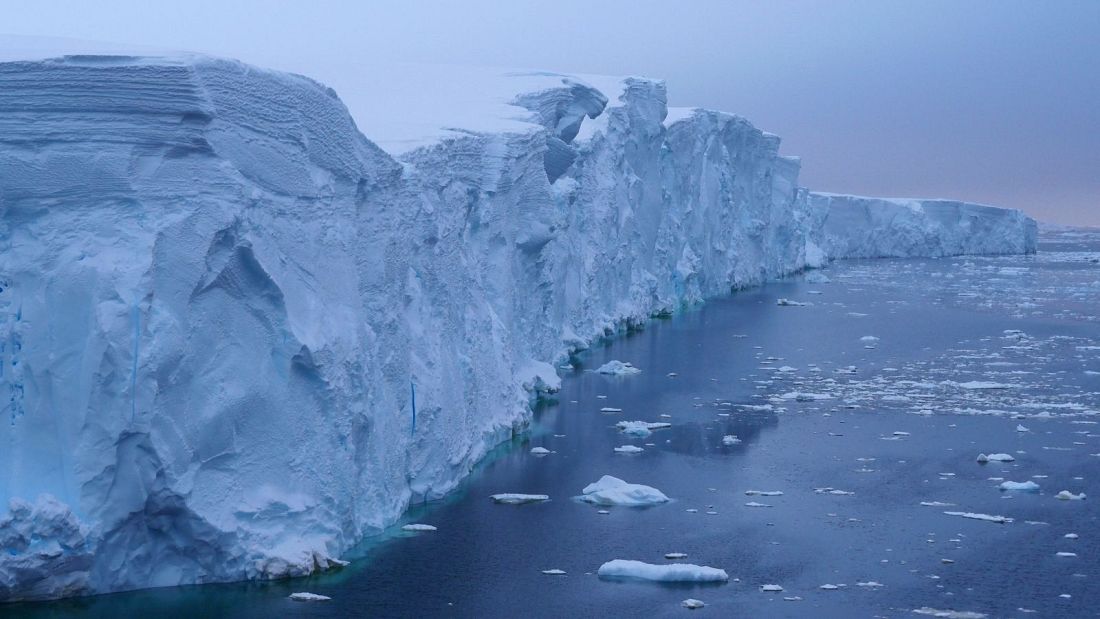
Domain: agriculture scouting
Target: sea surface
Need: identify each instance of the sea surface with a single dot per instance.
(867, 407)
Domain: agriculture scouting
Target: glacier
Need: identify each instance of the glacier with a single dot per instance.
(238, 335)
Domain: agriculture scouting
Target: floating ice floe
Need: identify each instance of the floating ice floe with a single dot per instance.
(614, 491)
(610, 409)
(936, 504)
(789, 303)
(870, 584)
(983, 384)
(982, 458)
(770, 588)
(305, 596)
(554, 572)
(948, 614)
(675, 555)
(1019, 486)
(730, 439)
(985, 517)
(799, 396)
(828, 587)
(1066, 495)
(1020, 428)
(833, 491)
(539, 451)
(673, 572)
(629, 449)
(763, 493)
(618, 368)
(512, 498)
(692, 603)
(1065, 554)
(641, 429)
(1071, 536)
(418, 527)
(755, 504)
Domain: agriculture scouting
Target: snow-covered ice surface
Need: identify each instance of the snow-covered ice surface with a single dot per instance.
(1033, 330)
(670, 572)
(610, 490)
(218, 297)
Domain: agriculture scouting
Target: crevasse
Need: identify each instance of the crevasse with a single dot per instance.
(217, 296)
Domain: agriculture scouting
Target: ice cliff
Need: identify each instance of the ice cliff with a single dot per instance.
(218, 299)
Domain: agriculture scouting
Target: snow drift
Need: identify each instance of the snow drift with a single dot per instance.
(219, 300)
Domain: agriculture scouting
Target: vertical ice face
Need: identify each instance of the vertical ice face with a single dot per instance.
(217, 297)
(858, 227)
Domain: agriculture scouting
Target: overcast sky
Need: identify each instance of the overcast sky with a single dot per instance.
(995, 101)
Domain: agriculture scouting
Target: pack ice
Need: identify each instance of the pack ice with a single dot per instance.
(219, 299)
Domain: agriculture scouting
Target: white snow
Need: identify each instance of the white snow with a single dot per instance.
(250, 277)
(672, 572)
(618, 368)
(512, 498)
(614, 491)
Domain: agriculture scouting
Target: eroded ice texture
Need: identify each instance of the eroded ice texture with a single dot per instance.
(219, 300)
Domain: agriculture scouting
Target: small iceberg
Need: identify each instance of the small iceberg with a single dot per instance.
(540, 451)
(629, 449)
(692, 603)
(729, 440)
(618, 368)
(789, 303)
(1019, 486)
(554, 572)
(673, 572)
(614, 491)
(982, 458)
(640, 429)
(418, 527)
(948, 614)
(675, 555)
(1066, 495)
(763, 493)
(511, 498)
(305, 596)
(770, 588)
(985, 517)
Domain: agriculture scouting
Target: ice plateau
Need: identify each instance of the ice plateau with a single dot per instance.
(237, 336)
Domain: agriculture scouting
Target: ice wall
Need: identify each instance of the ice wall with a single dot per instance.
(858, 227)
(217, 297)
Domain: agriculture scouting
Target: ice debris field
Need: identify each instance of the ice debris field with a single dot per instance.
(243, 327)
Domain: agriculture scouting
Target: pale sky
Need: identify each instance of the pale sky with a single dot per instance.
(989, 101)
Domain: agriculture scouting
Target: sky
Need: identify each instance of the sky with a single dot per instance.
(988, 101)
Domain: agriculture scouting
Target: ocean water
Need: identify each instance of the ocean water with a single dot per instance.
(886, 386)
